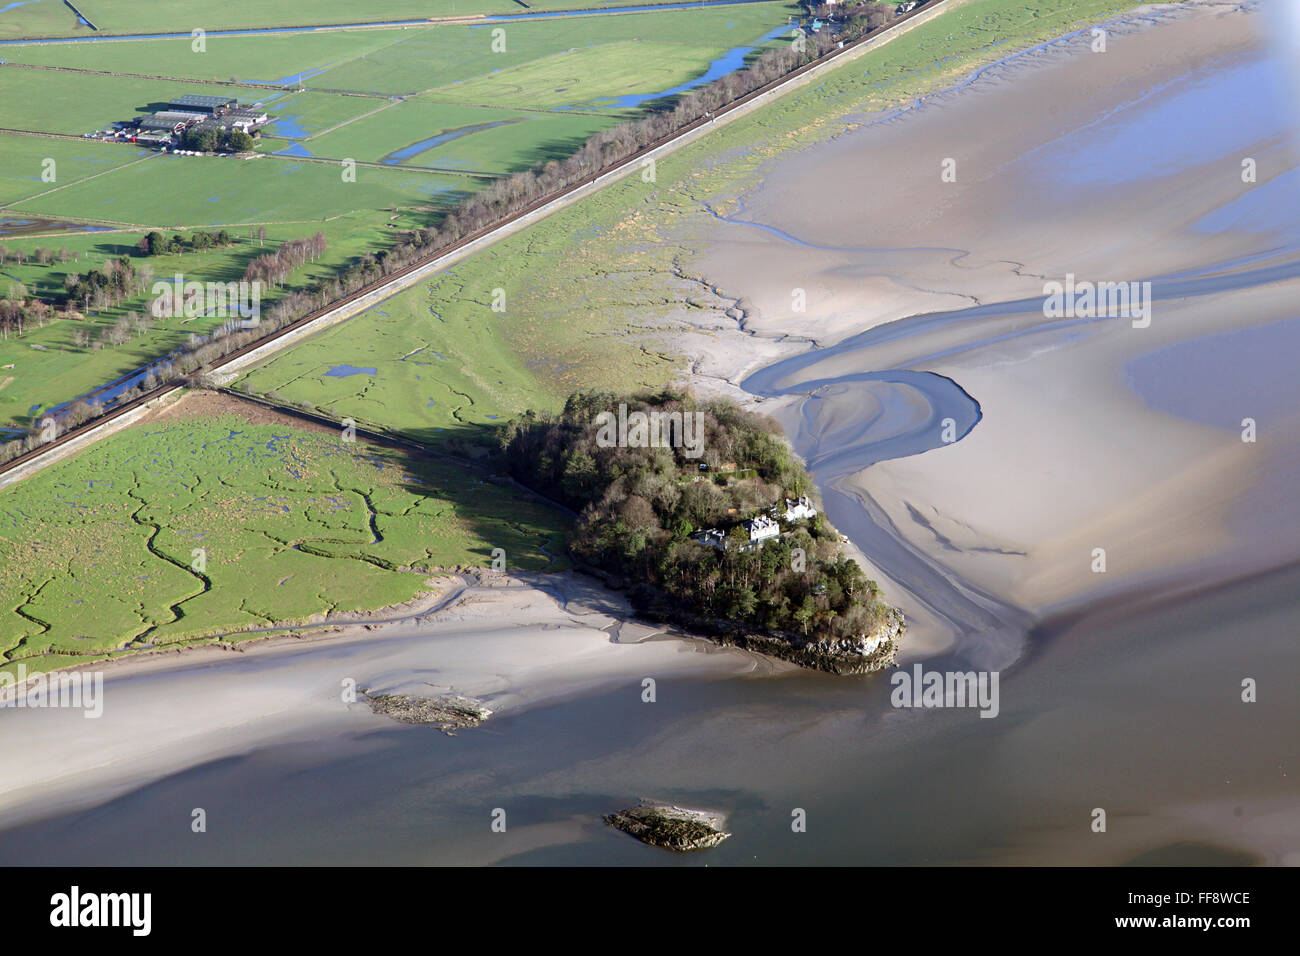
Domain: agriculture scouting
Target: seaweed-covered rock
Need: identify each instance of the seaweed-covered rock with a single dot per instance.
(671, 828)
(443, 713)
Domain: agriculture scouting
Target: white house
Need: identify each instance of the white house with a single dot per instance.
(801, 507)
(761, 528)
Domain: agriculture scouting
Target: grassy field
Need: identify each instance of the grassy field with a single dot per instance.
(227, 59)
(578, 314)
(97, 553)
(208, 190)
(22, 163)
(87, 101)
(468, 138)
(428, 59)
(53, 18)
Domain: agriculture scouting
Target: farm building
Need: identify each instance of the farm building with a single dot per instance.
(154, 139)
(170, 120)
(195, 103)
(245, 119)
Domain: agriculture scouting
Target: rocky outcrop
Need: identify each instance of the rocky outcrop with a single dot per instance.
(862, 654)
(671, 828)
(443, 713)
(857, 655)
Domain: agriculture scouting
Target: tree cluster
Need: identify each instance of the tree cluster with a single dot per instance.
(640, 506)
(40, 255)
(156, 244)
(205, 139)
(274, 268)
(103, 288)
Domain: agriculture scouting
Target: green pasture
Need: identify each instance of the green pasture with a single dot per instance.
(52, 18)
(428, 59)
(579, 312)
(23, 163)
(522, 141)
(312, 112)
(209, 190)
(582, 76)
(97, 553)
(240, 59)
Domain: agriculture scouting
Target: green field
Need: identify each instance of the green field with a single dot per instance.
(97, 553)
(209, 190)
(429, 59)
(475, 138)
(53, 18)
(313, 112)
(226, 59)
(411, 59)
(580, 312)
(87, 101)
(22, 163)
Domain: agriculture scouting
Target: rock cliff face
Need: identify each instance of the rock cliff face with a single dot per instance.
(671, 828)
(861, 655)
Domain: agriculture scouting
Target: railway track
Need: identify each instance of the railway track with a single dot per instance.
(395, 278)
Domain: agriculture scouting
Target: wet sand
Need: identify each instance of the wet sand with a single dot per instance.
(513, 643)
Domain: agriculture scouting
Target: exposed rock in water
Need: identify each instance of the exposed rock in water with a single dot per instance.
(444, 713)
(671, 828)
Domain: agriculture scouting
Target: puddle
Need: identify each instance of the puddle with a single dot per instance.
(343, 371)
